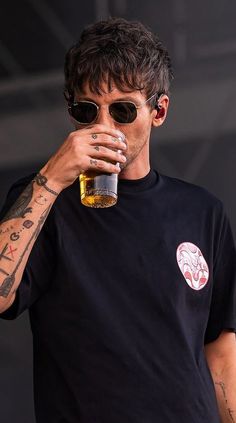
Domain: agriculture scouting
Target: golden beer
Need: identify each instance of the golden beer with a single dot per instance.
(98, 190)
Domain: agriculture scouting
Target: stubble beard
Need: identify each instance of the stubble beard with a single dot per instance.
(132, 155)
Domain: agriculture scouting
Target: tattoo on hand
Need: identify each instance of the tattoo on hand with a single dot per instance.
(8, 282)
(96, 148)
(93, 162)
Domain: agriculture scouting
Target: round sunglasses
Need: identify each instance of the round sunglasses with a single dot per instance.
(86, 112)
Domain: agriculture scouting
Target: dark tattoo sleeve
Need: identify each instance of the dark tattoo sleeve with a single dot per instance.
(8, 282)
(20, 207)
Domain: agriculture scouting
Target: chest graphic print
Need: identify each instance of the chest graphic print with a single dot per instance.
(192, 265)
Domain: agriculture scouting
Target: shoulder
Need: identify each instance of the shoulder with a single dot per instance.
(189, 194)
(19, 185)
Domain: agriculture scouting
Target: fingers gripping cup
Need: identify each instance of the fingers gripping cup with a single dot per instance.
(98, 190)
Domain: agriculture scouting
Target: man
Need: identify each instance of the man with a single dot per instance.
(122, 300)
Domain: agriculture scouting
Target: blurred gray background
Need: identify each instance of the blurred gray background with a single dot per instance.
(197, 142)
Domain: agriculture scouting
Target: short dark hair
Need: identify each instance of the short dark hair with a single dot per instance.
(118, 51)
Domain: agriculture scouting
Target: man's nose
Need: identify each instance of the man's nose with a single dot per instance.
(104, 117)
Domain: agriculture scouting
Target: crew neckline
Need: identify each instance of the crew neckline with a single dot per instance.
(136, 185)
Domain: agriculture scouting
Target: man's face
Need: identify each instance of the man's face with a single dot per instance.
(137, 133)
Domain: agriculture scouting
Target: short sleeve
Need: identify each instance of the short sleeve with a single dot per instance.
(223, 303)
(39, 269)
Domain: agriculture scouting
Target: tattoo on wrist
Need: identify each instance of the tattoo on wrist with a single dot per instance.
(41, 180)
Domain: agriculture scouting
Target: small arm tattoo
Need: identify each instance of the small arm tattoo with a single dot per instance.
(41, 200)
(27, 224)
(4, 252)
(230, 412)
(222, 386)
(41, 180)
(6, 230)
(14, 236)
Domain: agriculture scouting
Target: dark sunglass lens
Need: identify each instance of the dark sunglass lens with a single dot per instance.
(84, 112)
(123, 112)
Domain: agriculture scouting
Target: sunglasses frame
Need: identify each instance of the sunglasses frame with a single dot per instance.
(74, 104)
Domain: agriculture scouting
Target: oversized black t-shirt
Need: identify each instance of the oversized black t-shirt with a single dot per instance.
(122, 300)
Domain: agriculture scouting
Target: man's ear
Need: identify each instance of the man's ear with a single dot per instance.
(160, 111)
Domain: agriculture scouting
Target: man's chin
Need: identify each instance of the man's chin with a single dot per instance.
(129, 160)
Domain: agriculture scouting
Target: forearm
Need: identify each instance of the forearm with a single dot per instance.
(225, 386)
(19, 230)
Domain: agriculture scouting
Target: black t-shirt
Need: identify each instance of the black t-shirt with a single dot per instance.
(122, 300)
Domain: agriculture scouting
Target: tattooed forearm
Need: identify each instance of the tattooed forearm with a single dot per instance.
(20, 207)
(228, 409)
(18, 237)
(10, 279)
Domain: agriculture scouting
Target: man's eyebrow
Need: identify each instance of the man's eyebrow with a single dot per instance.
(84, 98)
(128, 98)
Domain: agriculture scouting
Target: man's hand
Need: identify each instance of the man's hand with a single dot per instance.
(95, 147)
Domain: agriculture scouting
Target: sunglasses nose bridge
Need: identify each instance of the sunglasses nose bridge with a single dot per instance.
(104, 116)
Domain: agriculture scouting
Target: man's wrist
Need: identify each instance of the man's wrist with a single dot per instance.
(42, 181)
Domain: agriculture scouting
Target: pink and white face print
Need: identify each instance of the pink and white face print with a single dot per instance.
(192, 265)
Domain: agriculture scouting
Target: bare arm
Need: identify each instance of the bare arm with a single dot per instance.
(221, 357)
(21, 226)
(18, 231)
